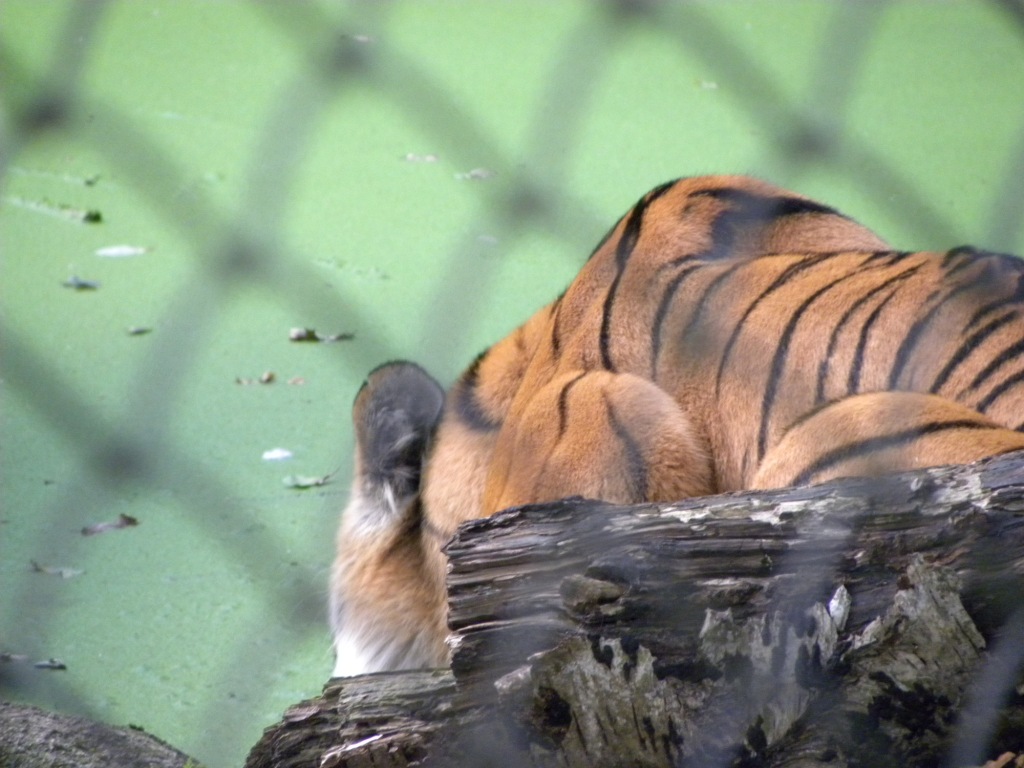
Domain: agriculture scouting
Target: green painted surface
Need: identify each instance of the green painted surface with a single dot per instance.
(204, 621)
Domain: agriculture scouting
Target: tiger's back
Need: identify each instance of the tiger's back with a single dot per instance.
(747, 334)
(725, 334)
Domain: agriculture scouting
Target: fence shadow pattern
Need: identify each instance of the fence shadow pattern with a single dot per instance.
(132, 453)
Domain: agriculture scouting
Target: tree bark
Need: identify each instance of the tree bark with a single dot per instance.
(865, 622)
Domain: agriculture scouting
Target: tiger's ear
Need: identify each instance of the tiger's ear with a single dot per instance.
(395, 413)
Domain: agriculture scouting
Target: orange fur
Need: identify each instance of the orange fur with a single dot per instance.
(626, 427)
(725, 335)
(880, 433)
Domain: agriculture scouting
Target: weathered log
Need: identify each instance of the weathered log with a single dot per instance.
(385, 719)
(837, 625)
(34, 738)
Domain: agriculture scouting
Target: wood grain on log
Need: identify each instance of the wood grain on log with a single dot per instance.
(835, 625)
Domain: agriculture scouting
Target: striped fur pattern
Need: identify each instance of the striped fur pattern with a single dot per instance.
(724, 335)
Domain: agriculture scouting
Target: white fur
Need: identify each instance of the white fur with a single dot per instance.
(351, 657)
(364, 650)
(361, 644)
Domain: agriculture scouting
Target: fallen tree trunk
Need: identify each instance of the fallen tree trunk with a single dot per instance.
(866, 622)
(34, 738)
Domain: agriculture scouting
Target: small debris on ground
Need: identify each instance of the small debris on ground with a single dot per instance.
(121, 251)
(60, 210)
(477, 174)
(302, 482)
(267, 377)
(123, 521)
(52, 664)
(78, 284)
(309, 334)
(52, 570)
(277, 454)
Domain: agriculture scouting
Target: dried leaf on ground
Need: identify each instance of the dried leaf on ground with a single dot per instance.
(310, 334)
(76, 283)
(302, 482)
(52, 664)
(53, 570)
(123, 521)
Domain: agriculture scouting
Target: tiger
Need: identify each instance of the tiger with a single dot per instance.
(724, 335)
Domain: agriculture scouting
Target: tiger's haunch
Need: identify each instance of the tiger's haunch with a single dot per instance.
(724, 335)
